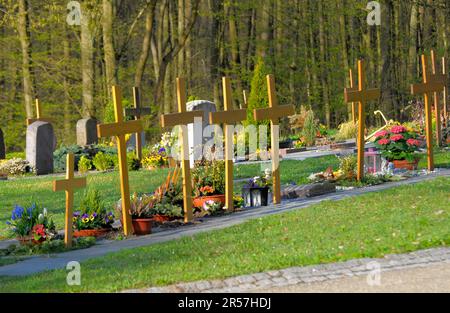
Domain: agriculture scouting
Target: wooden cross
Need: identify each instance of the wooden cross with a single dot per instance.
(274, 113)
(362, 96)
(352, 87)
(182, 118)
(119, 130)
(38, 115)
(444, 71)
(431, 84)
(437, 107)
(69, 185)
(228, 117)
(137, 112)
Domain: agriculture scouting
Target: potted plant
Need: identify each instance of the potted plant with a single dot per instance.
(398, 145)
(31, 225)
(165, 211)
(256, 191)
(141, 213)
(92, 219)
(209, 182)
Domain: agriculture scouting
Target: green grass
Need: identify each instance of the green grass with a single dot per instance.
(398, 220)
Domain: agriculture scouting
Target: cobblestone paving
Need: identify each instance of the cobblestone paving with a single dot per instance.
(308, 274)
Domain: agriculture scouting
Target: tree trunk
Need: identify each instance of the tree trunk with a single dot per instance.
(108, 44)
(145, 52)
(87, 64)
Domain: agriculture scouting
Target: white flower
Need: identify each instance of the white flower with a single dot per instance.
(45, 212)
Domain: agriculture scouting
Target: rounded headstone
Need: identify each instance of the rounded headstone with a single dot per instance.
(40, 142)
(87, 132)
(2, 146)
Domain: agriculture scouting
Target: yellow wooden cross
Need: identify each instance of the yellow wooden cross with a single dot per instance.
(361, 95)
(352, 87)
(437, 107)
(274, 113)
(431, 84)
(137, 112)
(119, 130)
(39, 116)
(181, 119)
(227, 117)
(444, 71)
(69, 185)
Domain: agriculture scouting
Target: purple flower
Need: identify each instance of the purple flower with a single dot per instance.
(85, 215)
(94, 214)
(161, 150)
(76, 213)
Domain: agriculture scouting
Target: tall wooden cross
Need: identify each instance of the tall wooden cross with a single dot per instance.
(352, 87)
(437, 107)
(181, 119)
(274, 113)
(431, 83)
(362, 96)
(39, 116)
(228, 117)
(444, 71)
(119, 129)
(69, 185)
(137, 112)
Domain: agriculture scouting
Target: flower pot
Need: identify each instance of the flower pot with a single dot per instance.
(91, 232)
(405, 164)
(30, 240)
(255, 196)
(161, 218)
(142, 226)
(200, 201)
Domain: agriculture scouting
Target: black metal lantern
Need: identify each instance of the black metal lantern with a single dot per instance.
(255, 196)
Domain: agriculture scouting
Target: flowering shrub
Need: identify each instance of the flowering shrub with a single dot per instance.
(238, 201)
(92, 213)
(398, 143)
(15, 166)
(260, 181)
(209, 177)
(33, 221)
(206, 191)
(156, 159)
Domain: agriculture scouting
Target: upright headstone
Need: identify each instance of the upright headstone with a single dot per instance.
(87, 132)
(40, 146)
(196, 134)
(2, 146)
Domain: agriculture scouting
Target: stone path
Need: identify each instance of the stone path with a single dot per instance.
(42, 263)
(391, 273)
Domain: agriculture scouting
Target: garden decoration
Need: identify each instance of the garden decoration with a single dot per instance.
(69, 185)
(431, 83)
(39, 116)
(387, 123)
(228, 117)
(274, 113)
(137, 112)
(120, 129)
(352, 86)
(445, 96)
(181, 119)
(362, 96)
(437, 107)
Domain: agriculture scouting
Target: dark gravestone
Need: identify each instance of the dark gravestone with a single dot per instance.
(87, 132)
(306, 191)
(2, 146)
(40, 146)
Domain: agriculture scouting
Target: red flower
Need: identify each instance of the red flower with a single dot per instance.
(381, 133)
(397, 137)
(383, 142)
(39, 230)
(413, 142)
(398, 129)
(207, 190)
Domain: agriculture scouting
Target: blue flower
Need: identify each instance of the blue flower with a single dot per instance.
(161, 150)
(76, 213)
(17, 213)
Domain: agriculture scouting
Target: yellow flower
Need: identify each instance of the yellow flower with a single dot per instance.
(85, 220)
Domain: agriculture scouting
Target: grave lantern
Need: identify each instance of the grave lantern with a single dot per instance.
(255, 196)
(372, 161)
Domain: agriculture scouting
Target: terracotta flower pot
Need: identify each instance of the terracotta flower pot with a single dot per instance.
(200, 201)
(405, 164)
(90, 232)
(142, 226)
(161, 218)
(30, 240)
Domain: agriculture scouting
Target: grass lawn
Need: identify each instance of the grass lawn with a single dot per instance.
(398, 220)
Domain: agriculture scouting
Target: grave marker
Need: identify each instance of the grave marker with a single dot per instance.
(274, 113)
(40, 144)
(431, 83)
(137, 112)
(87, 132)
(182, 118)
(119, 129)
(227, 117)
(39, 116)
(2, 146)
(69, 185)
(362, 96)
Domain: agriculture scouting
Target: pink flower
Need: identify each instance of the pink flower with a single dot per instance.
(413, 142)
(397, 137)
(383, 142)
(398, 129)
(381, 133)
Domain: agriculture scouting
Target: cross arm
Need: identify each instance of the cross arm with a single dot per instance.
(227, 117)
(121, 128)
(273, 113)
(434, 86)
(76, 183)
(352, 95)
(174, 119)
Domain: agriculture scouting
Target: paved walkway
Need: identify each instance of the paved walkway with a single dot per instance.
(42, 263)
(420, 271)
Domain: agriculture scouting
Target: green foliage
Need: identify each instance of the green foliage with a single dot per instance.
(209, 174)
(347, 130)
(310, 128)
(12, 122)
(85, 164)
(59, 156)
(133, 163)
(168, 209)
(109, 116)
(103, 162)
(348, 166)
(258, 93)
(92, 212)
